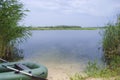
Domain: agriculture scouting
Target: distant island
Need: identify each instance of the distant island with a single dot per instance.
(63, 27)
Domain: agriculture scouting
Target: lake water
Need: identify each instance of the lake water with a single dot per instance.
(63, 47)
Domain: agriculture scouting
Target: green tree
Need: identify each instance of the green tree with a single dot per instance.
(11, 34)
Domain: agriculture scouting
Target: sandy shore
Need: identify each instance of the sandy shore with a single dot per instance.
(63, 71)
(56, 74)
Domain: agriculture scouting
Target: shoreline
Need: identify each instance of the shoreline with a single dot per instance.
(62, 71)
(60, 28)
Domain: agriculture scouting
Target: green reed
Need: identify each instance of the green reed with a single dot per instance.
(111, 41)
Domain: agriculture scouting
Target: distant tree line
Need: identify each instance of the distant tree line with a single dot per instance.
(59, 26)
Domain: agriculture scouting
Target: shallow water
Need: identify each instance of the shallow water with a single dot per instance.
(63, 47)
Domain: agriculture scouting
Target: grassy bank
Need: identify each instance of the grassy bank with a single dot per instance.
(98, 72)
(62, 28)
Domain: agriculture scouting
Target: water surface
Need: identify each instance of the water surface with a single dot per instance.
(63, 47)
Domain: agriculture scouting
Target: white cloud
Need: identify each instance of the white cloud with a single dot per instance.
(90, 7)
(94, 7)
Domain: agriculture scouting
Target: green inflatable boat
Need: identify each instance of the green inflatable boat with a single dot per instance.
(27, 67)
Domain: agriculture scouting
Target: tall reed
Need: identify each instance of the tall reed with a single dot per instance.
(111, 41)
(11, 34)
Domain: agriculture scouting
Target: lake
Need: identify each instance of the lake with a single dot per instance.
(64, 47)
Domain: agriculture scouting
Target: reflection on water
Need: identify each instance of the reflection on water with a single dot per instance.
(63, 47)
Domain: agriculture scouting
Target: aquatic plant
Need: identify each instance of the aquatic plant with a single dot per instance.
(111, 41)
(11, 34)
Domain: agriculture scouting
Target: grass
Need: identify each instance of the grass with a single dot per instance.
(77, 76)
(95, 71)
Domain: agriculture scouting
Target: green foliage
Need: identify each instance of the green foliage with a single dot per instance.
(111, 41)
(94, 70)
(11, 34)
(77, 76)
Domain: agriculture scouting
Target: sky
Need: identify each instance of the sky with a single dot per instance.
(84, 13)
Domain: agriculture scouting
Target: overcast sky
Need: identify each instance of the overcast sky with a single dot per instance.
(85, 13)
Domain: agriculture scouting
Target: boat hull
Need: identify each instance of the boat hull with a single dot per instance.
(35, 69)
